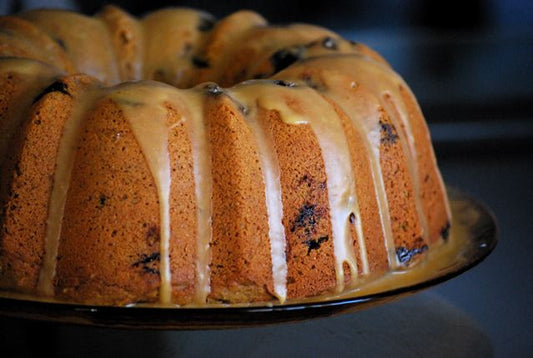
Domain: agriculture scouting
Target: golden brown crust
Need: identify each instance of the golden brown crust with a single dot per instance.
(33, 159)
(241, 268)
(432, 190)
(112, 212)
(406, 227)
(306, 214)
(183, 206)
(374, 236)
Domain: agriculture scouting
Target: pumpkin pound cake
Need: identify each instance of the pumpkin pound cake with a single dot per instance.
(179, 160)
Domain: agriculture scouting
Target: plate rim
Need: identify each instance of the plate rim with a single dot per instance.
(95, 315)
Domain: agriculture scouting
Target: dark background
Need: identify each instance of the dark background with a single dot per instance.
(470, 63)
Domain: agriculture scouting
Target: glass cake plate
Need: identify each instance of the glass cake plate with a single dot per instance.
(472, 238)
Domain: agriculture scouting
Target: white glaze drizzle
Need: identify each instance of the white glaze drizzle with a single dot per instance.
(382, 82)
(203, 189)
(364, 115)
(332, 141)
(62, 176)
(388, 85)
(148, 119)
(149, 125)
(398, 113)
(274, 204)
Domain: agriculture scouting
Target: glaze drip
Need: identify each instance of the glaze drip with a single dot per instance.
(363, 112)
(203, 187)
(149, 124)
(386, 91)
(332, 140)
(363, 88)
(144, 105)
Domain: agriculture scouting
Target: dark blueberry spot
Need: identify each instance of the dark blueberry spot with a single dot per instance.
(146, 259)
(187, 48)
(147, 262)
(445, 232)
(200, 62)
(54, 87)
(388, 133)
(309, 81)
(61, 43)
(213, 89)
(284, 83)
(307, 218)
(37, 121)
(330, 43)
(315, 244)
(405, 255)
(102, 200)
(305, 179)
(6, 32)
(284, 58)
(17, 170)
(151, 270)
(152, 234)
(159, 74)
(206, 24)
(259, 76)
(352, 218)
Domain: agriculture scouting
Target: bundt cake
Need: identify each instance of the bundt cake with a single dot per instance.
(175, 159)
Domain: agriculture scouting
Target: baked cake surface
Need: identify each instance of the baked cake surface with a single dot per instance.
(176, 159)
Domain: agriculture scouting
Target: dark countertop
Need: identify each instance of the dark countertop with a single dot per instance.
(421, 325)
(485, 311)
(475, 88)
(498, 293)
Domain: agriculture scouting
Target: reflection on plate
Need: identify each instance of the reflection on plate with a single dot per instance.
(473, 237)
